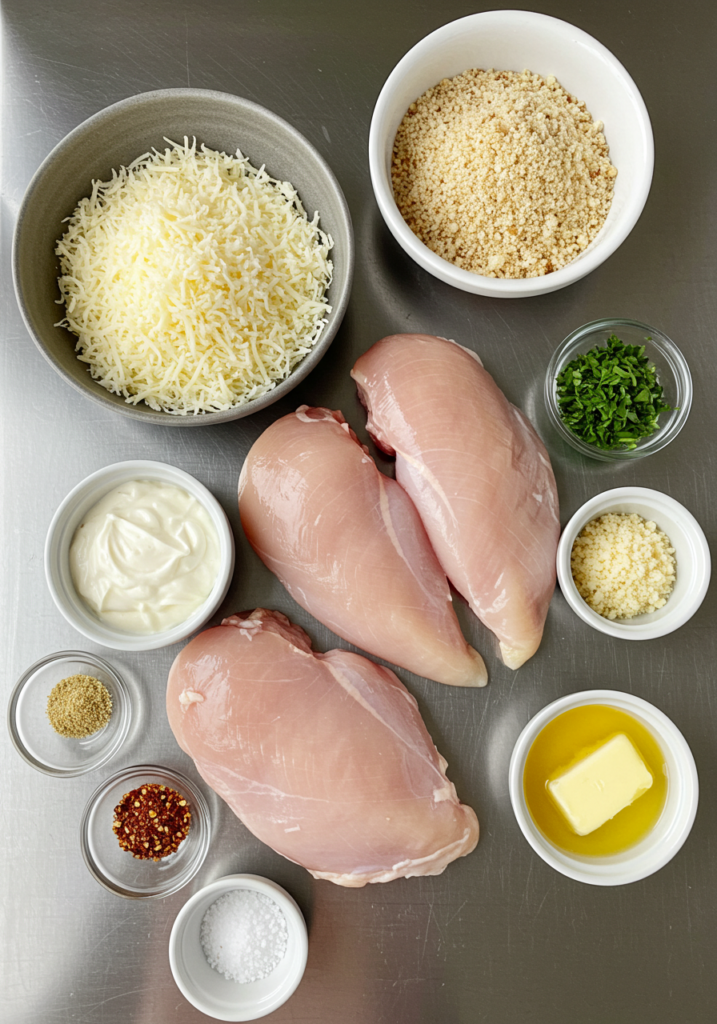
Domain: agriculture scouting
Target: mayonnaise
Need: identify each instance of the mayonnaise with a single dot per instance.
(145, 557)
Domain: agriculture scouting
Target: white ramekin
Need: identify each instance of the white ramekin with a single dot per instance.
(68, 517)
(692, 556)
(211, 992)
(514, 41)
(674, 824)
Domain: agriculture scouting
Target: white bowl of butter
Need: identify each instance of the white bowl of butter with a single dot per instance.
(139, 556)
(610, 811)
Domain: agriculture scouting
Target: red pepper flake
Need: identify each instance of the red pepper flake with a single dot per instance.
(151, 822)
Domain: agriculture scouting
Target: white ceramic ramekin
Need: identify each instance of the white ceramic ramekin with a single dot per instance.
(692, 556)
(68, 517)
(674, 824)
(514, 41)
(207, 989)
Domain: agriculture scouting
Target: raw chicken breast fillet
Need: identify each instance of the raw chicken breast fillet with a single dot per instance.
(478, 474)
(349, 546)
(324, 757)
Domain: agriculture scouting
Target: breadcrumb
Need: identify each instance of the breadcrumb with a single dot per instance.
(504, 174)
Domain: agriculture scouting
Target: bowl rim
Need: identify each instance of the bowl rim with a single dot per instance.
(300, 371)
(646, 861)
(59, 538)
(663, 435)
(701, 564)
(124, 711)
(215, 889)
(589, 259)
(203, 826)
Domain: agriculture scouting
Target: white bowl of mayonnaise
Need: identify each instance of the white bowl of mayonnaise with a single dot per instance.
(139, 556)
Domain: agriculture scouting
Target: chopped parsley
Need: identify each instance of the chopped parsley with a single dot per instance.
(610, 397)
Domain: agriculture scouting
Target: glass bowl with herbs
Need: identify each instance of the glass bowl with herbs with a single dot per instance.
(617, 389)
(69, 713)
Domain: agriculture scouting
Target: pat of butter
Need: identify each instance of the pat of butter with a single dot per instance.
(601, 784)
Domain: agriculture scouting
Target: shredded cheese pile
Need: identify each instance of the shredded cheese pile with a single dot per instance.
(193, 281)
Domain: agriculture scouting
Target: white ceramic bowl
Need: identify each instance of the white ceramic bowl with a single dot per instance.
(513, 41)
(68, 517)
(692, 556)
(207, 989)
(674, 824)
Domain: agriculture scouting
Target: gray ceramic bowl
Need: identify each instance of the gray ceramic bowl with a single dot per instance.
(116, 136)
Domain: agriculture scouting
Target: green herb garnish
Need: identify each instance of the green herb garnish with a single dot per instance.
(609, 397)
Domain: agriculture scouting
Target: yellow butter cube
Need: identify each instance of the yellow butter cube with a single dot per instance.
(600, 785)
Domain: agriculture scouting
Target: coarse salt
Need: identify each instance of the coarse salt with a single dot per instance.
(244, 935)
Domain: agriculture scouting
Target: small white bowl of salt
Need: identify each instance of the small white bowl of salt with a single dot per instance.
(238, 948)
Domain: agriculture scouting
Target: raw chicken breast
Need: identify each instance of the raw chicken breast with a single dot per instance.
(324, 757)
(478, 474)
(349, 546)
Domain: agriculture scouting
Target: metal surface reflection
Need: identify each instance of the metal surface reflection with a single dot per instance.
(499, 937)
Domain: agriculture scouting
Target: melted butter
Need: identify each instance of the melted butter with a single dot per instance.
(568, 739)
(145, 557)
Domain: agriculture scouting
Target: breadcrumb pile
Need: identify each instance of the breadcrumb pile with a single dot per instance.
(504, 174)
(623, 565)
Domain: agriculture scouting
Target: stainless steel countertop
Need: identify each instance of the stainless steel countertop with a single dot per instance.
(499, 937)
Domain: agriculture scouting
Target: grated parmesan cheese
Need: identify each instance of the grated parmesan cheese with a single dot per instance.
(193, 281)
(623, 565)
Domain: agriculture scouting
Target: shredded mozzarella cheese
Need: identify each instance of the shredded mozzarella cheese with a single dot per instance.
(193, 281)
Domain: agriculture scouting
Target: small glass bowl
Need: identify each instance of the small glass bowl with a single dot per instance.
(673, 374)
(33, 736)
(115, 868)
